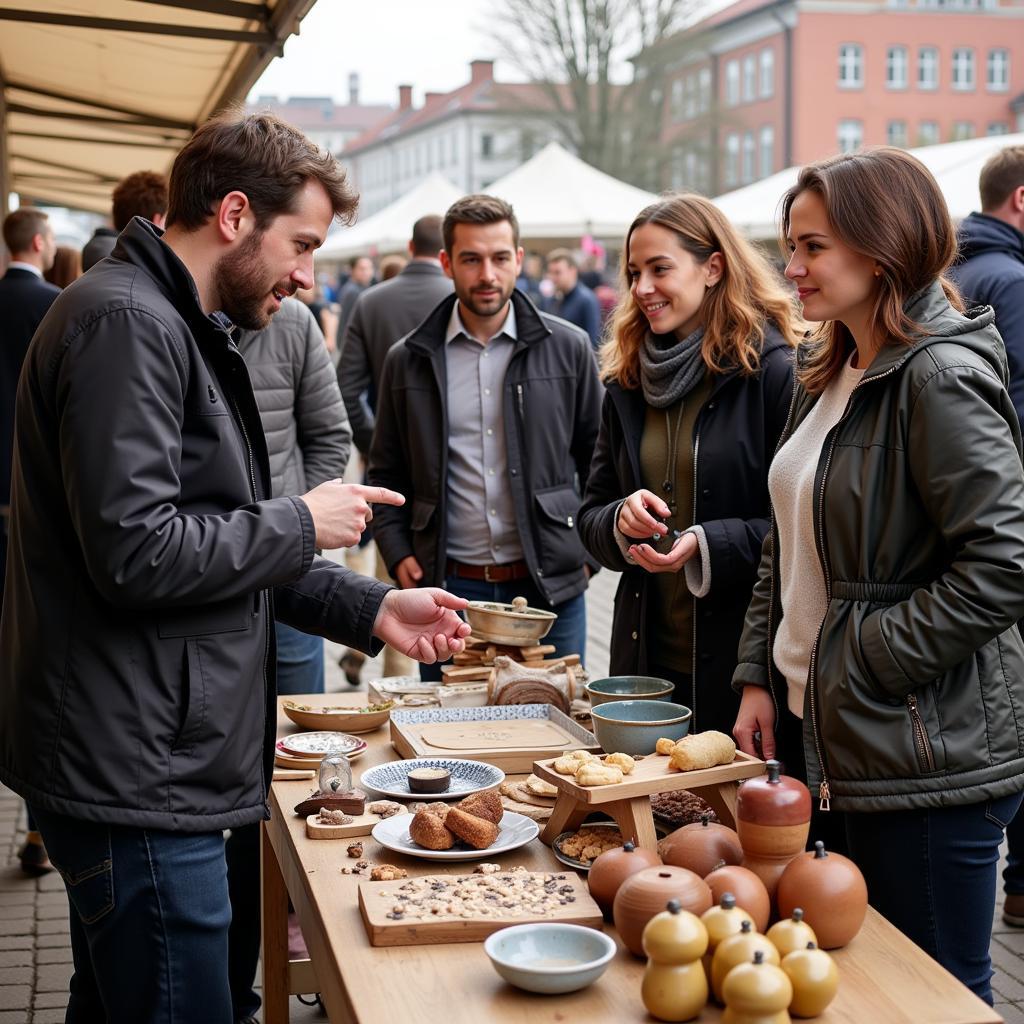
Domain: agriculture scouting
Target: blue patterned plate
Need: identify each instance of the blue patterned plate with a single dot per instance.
(514, 830)
(391, 779)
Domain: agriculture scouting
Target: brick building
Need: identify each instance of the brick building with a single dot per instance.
(765, 84)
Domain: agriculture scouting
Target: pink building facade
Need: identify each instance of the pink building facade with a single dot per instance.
(765, 84)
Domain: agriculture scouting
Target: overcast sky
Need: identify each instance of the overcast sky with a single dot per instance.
(426, 43)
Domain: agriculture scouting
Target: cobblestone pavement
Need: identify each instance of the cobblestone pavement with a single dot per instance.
(35, 945)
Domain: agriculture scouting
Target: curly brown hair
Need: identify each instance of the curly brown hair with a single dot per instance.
(735, 313)
(142, 194)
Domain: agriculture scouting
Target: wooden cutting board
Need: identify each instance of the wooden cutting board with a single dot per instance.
(359, 826)
(377, 900)
(515, 734)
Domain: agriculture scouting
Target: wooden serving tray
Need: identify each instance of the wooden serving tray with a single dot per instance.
(383, 931)
(497, 726)
(652, 775)
(359, 826)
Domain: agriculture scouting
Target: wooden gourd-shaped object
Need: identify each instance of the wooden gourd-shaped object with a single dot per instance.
(748, 889)
(674, 986)
(700, 846)
(612, 868)
(815, 979)
(757, 993)
(791, 933)
(722, 921)
(773, 817)
(832, 892)
(644, 894)
(739, 949)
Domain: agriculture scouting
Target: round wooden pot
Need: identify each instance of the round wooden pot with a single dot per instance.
(647, 893)
(773, 817)
(612, 868)
(700, 846)
(749, 890)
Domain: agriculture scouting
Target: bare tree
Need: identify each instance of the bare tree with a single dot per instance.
(574, 50)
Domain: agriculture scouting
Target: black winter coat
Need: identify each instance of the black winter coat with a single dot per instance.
(552, 408)
(734, 440)
(136, 645)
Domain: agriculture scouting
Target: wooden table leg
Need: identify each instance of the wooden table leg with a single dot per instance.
(635, 821)
(722, 799)
(275, 933)
(568, 813)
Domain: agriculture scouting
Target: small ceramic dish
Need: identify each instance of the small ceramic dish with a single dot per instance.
(550, 958)
(507, 624)
(602, 691)
(635, 726)
(392, 778)
(316, 744)
(514, 830)
(309, 715)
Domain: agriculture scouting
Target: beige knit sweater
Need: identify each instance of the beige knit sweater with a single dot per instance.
(801, 577)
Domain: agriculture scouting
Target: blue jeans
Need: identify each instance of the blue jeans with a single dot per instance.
(932, 873)
(568, 634)
(149, 921)
(300, 661)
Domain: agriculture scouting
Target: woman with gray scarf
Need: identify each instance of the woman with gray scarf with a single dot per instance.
(698, 368)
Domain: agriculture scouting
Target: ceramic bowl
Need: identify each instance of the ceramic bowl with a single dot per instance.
(317, 712)
(503, 624)
(602, 691)
(635, 726)
(550, 958)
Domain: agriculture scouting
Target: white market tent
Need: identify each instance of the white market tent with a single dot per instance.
(389, 229)
(558, 196)
(92, 90)
(956, 166)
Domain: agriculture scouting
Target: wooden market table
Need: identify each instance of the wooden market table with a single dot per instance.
(884, 977)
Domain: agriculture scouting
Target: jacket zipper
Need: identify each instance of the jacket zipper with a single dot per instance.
(923, 748)
(693, 600)
(261, 596)
(824, 790)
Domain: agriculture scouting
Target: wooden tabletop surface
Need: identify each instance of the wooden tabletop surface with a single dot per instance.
(884, 978)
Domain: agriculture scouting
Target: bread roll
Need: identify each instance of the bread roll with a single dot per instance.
(702, 750)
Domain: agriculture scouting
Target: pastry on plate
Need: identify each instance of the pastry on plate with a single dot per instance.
(476, 832)
(483, 805)
(429, 831)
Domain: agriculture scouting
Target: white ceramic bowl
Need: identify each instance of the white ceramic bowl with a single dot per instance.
(550, 958)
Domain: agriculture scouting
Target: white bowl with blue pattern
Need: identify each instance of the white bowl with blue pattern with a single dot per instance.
(392, 779)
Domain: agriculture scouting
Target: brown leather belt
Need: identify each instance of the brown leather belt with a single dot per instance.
(489, 573)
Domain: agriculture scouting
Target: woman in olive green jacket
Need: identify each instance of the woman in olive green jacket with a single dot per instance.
(892, 579)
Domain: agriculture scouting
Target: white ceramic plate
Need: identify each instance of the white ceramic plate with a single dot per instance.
(514, 830)
(391, 778)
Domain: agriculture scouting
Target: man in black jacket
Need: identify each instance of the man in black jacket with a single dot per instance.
(142, 194)
(991, 273)
(488, 416)
(137, 705)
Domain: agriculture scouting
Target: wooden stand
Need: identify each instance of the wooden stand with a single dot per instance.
(629, 803)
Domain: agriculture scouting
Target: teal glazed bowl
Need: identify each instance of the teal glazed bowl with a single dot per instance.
(550, 958)
(628, 688)
(635, 726)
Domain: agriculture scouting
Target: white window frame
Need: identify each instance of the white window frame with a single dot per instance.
(851, 66)
(704, 90)
(748, 159)
(849, 126)
(766, 151)
(932, 63)
(897, 67)
(998, 58)
(677, 99)
(963, 72)
(749, 78)
(897, 136)
(766, 73)
(962, 130)
(921, 140)
(732, 83)
(997, 128)
(732, 160)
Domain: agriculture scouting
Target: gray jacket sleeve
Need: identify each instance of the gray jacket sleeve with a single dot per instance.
(355, 378)
(324, 434)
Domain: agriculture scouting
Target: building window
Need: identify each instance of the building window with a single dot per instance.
(997, 128)
(928, 133)
(767, 83)
(704, 90)
(963, 68)
(749, 78)
(998, 77)
(850, 135)
(896, 62)
(767, 151)
(487, 145)
(690, 103)
(676, 102)
(749, 153)
(851, 66)
(732, 160)
(732, 82)
(928, 67)
(963, 130)
(677, 177)
(896, 133)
